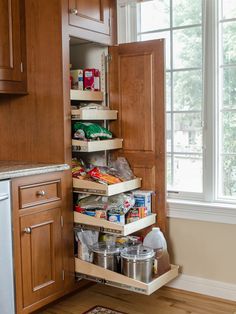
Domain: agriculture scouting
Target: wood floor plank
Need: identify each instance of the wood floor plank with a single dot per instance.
(164, 301)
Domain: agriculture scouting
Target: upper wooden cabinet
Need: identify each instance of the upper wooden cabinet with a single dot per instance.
(12, 47)
(94, 18)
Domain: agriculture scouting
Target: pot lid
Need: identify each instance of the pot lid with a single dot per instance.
(105, 248)
(138, 252)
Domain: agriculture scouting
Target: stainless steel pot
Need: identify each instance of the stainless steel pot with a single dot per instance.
(106, 255)
(137, 263)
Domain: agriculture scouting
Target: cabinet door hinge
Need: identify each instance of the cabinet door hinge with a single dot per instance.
(62, 222)
(21, 67)
(109, 57)
(63, 275)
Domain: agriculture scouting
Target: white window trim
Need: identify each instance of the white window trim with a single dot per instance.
(202, 211)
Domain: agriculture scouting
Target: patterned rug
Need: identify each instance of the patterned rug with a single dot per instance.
(102, 310)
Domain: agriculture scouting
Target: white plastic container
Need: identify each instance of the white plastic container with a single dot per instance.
(156, 241)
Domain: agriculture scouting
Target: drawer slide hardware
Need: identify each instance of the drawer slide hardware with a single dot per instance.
(109, 283)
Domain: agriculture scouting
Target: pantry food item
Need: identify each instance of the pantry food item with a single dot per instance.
(92, 79)
(143, 199)
(116, 217)
(78, 170)
(106, 255)
(135, 214)
(77, 79)
(90, 131)
(85, 239)
(156, 240)
(122, 168)
(97, 174)
(137, 263)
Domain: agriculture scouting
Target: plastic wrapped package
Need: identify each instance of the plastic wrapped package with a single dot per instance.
(85, 239)
(122, 168)
(90, 131)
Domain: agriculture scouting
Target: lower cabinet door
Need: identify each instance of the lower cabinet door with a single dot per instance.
(41, 254)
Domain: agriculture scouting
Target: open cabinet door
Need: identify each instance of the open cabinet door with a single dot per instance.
(136, 85)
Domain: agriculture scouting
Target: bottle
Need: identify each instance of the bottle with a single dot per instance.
(156, 241)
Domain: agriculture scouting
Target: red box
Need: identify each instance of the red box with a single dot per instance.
(92, 79)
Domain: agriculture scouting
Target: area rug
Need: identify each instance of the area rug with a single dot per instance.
(102, 310)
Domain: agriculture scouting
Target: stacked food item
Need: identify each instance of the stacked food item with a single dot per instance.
(122, 208)
(87, 79)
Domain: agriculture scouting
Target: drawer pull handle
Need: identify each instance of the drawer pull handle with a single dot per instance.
(41, 193)
(73, 11)
(27, 230)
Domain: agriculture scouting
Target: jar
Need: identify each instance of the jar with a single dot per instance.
(137, 262)
(106, 255)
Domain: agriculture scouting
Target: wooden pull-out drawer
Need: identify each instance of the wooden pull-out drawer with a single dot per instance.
(39, 193)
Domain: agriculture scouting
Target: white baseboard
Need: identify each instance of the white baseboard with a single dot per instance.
(205, 286)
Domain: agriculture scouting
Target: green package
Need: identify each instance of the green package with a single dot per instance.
(90, 131)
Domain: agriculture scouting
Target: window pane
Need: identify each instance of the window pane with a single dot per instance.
(187, 12)
(228, 176)
(228, 9)
(188, 173)
(187, 93)
(187, 132)
(187, 48)
(169, 170)
(229, 42)
(229, 87)
(168, 91)
(168, 133)
(155, 15)
(160, 35)
(229, 132)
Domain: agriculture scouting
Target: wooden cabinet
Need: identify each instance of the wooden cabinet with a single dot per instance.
(40, 255)
(96, 19)
(12, 47)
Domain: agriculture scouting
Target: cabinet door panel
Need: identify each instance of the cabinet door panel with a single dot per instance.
(137, 92)
(41, 255)
(92, 15)
(10, 41)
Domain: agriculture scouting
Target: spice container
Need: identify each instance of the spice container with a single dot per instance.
(106, 255)
(137, 263)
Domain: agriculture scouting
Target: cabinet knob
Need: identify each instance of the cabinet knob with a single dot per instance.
(41, 193)
(27, 230)
(73, 11)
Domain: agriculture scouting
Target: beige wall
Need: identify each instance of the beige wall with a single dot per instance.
(204, 249)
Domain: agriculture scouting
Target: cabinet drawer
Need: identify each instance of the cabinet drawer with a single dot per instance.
(39, 193)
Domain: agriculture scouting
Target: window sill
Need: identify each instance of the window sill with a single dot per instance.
(203, 211)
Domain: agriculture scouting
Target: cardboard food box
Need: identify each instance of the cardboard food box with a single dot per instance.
(143, 199)
(77, 79)
(92, 79)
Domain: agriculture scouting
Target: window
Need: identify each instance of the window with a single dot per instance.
(200, 90)
(227, 99)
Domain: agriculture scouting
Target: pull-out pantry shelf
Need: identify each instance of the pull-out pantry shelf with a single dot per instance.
(91, 187)
(96, 273)
(111, 227)
(85, 95)
(96, 146)
(93, 114)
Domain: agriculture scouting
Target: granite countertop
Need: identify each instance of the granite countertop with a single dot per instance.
(13, 169)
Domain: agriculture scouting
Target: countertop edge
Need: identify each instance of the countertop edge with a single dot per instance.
(33, 171)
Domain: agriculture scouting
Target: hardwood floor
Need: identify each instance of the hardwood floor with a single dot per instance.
(164, 301)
